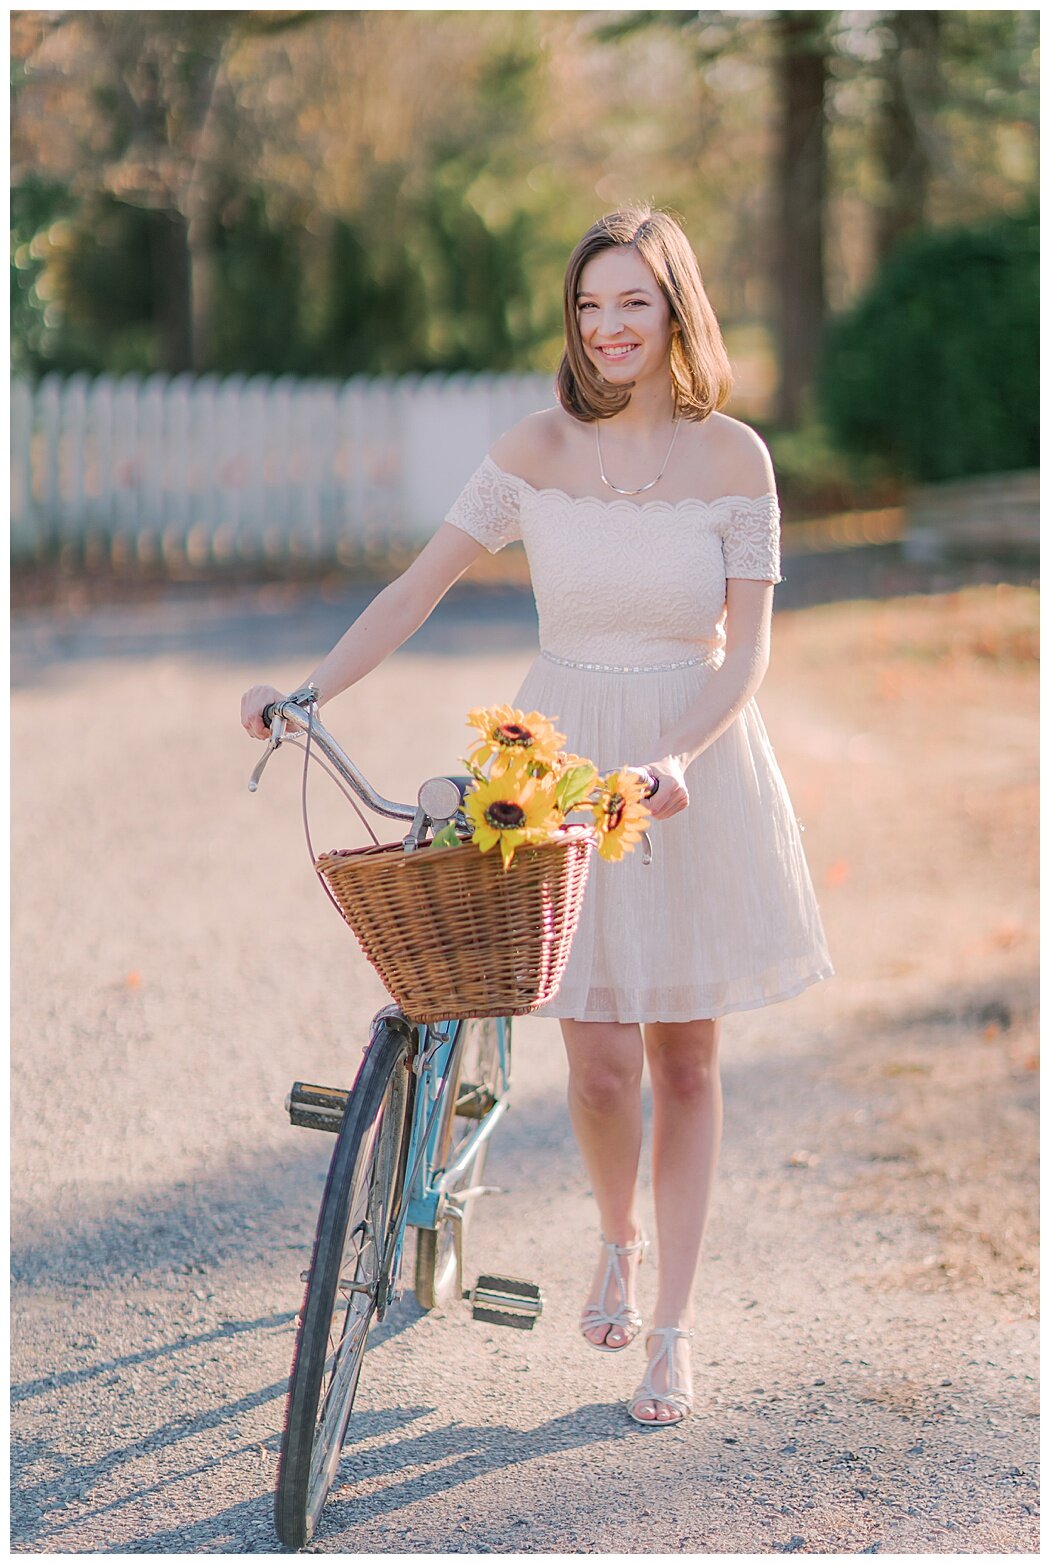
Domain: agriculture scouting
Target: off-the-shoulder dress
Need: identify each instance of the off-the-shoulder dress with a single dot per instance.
(631, 599)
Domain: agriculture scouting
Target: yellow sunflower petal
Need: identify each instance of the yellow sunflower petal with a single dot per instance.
(510, 808)
(506, 730)
(620, 816)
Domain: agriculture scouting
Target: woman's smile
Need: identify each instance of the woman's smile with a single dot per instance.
(619, 294)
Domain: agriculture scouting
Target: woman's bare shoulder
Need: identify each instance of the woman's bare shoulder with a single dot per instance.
(736, 453)
(529, 448)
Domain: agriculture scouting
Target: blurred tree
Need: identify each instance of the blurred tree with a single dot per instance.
(341, 192)
(796, 45)
(905, 127)
(932, 120)
(801, 66)
(152, 132)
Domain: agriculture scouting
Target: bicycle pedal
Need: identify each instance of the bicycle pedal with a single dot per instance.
(316, 1107)
(474, 1102)
(506, 1300)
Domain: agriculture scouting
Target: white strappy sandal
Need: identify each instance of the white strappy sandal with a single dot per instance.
(675, 1395)
(626, 1317)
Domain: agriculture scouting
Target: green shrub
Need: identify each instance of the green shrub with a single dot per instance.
(936, 368)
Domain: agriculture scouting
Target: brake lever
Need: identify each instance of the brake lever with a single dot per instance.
(277, 727)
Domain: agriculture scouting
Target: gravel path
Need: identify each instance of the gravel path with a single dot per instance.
(866, 1344)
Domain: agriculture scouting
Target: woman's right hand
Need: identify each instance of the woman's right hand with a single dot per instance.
(252, 703)
(672, 794)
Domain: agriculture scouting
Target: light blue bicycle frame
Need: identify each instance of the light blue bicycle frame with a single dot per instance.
(428, 1193)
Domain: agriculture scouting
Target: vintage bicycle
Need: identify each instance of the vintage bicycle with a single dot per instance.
(412, 1134)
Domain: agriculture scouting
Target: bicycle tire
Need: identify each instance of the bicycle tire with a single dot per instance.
(361, 1196)
(477, 1069)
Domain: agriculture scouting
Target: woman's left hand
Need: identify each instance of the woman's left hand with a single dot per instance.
(672, 796)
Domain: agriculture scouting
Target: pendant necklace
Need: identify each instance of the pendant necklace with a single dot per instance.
(610, 485)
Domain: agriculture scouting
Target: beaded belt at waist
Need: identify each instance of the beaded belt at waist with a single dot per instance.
(710, 657)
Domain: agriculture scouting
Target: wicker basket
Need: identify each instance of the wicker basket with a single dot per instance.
(452, 934)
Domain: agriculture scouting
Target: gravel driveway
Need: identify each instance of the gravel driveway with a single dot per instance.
(866, 1343)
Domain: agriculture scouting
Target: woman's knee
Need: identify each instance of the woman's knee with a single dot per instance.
(683, 1058)
(606, 1069)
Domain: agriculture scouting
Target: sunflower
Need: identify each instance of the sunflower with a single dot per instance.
(508, 735)
(510, 809)
(620, 816)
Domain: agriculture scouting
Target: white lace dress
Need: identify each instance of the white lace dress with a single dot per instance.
(631, 604)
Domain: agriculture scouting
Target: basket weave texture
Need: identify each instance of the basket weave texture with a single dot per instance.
(452, 934)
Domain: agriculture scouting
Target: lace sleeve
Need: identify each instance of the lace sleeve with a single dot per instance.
(751, 539)
(489, 508)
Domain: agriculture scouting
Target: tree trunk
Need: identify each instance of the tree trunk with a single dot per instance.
(203, 284)
(171, 292)
(801, 73)
(913, 90)
(199, 200)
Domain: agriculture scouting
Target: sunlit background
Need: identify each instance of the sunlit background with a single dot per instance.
(278, 281)
(363, 193)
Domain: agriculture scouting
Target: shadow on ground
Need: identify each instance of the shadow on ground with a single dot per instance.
(390, 1465)
(262, 1204)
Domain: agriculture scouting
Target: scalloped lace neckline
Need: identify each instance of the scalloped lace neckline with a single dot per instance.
(598, 499)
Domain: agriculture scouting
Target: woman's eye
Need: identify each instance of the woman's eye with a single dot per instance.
(588, 304)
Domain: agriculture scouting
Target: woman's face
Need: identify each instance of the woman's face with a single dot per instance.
(624, 318)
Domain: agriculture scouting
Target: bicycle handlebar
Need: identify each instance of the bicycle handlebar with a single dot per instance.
(287, 709)
(290, 711)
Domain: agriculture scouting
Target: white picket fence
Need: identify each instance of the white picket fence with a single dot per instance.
(205, 468)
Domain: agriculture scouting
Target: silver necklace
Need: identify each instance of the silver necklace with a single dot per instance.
(601, 465)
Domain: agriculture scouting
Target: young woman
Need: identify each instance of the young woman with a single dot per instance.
(651, 524)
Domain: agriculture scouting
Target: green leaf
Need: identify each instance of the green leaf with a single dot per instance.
(448, 836)
(573, 786)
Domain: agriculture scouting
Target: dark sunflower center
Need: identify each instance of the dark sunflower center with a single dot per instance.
(614, 811)
(505, 816)
(513, 733)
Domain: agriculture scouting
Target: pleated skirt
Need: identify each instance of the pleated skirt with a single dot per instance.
(725, 917)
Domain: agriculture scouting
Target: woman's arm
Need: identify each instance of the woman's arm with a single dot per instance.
(391, 617)
(749, 612)
(397, 612)
(751, 548)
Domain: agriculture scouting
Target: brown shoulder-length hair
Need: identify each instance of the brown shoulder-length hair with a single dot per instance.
(700, 372)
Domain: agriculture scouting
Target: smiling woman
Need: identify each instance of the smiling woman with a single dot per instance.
(631, 286)
(654, 621)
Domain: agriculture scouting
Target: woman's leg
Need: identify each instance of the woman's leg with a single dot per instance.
(687, 1133)
(605, 1107)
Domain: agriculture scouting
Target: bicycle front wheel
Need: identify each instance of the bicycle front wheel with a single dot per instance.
(345, 1282)
(472, 1093)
